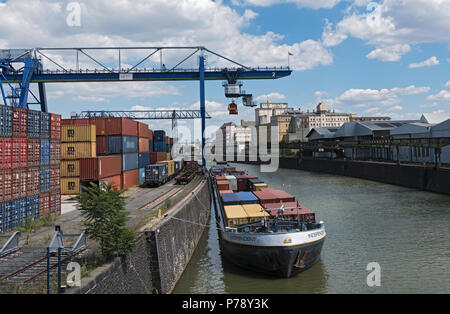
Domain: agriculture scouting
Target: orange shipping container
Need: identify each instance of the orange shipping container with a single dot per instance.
(116, 181)
(100, 125)
(143, 145)
(130, 178)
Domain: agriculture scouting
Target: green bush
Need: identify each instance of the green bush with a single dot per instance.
(103, 210)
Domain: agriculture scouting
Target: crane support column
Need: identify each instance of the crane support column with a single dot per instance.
(202, 107)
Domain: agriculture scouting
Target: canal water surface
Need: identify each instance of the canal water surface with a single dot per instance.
(406, 231)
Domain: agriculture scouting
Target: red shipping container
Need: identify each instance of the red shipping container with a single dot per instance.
(33, 178)
(34, 152)
(223, 185)
(150, 135)
(55, 203)
(93, 169)
(120, 126)
(281, 195)
(6, 152)
(130, 178)
(116, 181)
(55, 152)
(102, 145)
(156, 157)
(19, 153)
(44, 204)
(142, 130)
(5, 185)
(19, 183)
(55, 126)
(75, 122)
(225, 192)
(20, 122)
(100, 125)
(55, 178)
(144, 145)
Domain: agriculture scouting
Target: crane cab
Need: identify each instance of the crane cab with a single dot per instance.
(232, 109)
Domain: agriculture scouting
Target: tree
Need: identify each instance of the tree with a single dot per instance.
(103, 210)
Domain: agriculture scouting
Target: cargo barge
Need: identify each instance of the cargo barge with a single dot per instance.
(263, 229)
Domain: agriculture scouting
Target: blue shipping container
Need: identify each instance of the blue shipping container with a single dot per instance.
(33, 207)
(2, 218)
(177, 166)
(159, 136)
(6, 120)
(230, 199)
(130, 162)
(150, 146)
(122, 144)
(34, 123)
(45, 125)
(246, 198)
(159, 146)
(141, 175)
(6, 209)
(45, 179)
(144, 160)
(45, 152)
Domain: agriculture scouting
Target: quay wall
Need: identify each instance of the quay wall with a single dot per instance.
(161, 255)
(413, 176)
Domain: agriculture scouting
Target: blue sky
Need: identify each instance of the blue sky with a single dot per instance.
(382, 58)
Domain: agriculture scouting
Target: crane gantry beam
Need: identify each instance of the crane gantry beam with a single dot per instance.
(24, 67)
(144, 114)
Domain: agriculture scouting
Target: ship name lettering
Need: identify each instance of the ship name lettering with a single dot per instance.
(316, 234)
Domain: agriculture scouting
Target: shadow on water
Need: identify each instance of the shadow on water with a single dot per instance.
(241, 281)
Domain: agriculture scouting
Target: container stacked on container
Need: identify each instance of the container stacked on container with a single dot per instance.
(145, 138)
(29, 151)
(78, 140)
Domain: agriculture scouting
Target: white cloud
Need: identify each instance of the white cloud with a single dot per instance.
(320, 94)
(395, 108)
(103, 92)
(432, 105)
(427, 63)
(393, 26)
(436, 116)
(442, 95)
(390, 53)
(313, 4)
(42, 23)
(271, 97)
(447, 84)
(382, 97)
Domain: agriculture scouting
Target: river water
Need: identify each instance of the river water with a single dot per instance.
(405, 231)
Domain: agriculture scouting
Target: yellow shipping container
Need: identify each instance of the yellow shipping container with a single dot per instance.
(78, 133)
(70, 186)
(260, 186)
(255, 212)
(236, 215)
(170, 166)
(70, 168)
(78, 150)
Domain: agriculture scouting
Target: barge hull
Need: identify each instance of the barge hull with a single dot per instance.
(283, 262)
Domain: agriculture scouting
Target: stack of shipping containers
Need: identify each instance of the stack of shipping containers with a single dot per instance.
(29, 156)
(78, 140)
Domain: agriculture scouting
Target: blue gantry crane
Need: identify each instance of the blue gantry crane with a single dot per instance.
(20, 68)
